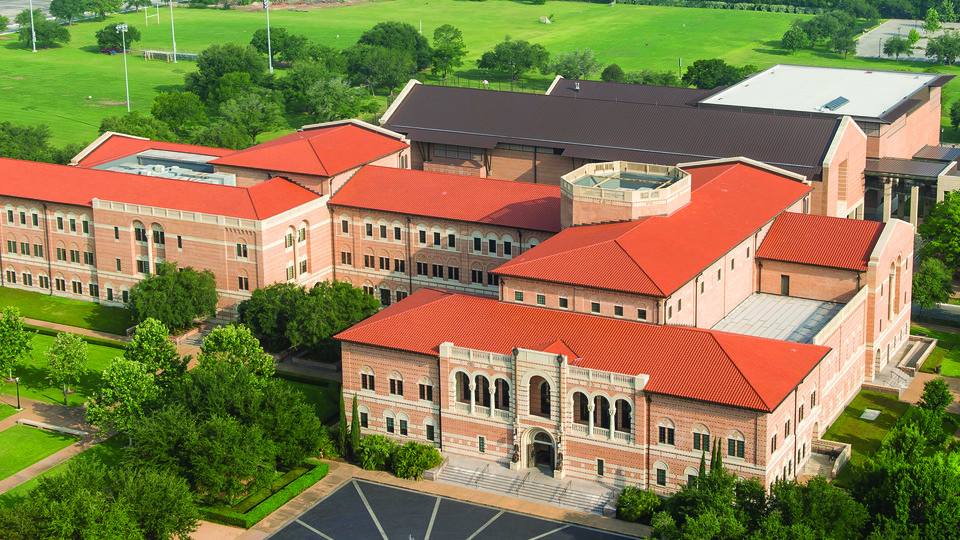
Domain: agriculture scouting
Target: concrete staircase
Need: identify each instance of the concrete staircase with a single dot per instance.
(532, 485)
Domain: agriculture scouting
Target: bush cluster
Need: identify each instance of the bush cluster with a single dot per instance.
(378, 453)
(637, 505)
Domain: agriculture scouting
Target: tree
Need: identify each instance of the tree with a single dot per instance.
(709, 74)
(612, 73)
(342, 428)
(947, 12)
(290, 423)
(941, 230)
(270, 310)
(844, 44)
(16, 342)
(945, 47)
(66, 358)
(173, 296)
(137, 4)
(48, 33)
(515, 57)
(378, 67)
(4, 22)
(253, 114)
(334, 99)
(895, 46)
(936, 396)
(285, 47)
(139, 125)
(149, 346)
(226, 459)
(217, 60)
(795, 38)
(448, 49)
(578, 64)
(354, 427)
(67, 10)
(235, 346)
(222, 135)
(400, 37)
(127, 393)
(931, 284)
(109, 38)
(818, 506)
(160, 504)
(330, 308)
(657, 78)
(931, 22)
(296, 84)
(955, 114)
(234, 85)
(913, 37)
(102, 7)
(182, 112)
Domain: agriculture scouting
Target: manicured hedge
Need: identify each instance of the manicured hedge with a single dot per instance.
(268, 506)
(637, 505)
(89, 339)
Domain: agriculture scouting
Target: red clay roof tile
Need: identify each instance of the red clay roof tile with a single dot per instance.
(821, 241)
(119, 145)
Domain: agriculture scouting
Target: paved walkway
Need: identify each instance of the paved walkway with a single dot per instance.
(870, 45)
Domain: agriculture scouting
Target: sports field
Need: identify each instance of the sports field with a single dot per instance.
(73, 87)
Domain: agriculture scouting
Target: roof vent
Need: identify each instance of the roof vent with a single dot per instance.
(836, 103)
(576, 87)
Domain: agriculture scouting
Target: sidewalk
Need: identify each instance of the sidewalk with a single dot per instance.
(75, 330)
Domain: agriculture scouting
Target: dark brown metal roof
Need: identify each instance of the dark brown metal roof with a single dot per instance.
(941, 80)
(938, 153)
(597, 129)
(901, 109)
(631, 93)
(905, 168)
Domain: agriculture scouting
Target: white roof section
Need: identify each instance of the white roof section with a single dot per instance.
(786, 318)
(784, 87)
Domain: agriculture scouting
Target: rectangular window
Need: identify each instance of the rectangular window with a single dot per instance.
(396, 233)
(59, 223)
(12, 277)
(383, 232)
(477, 245)
(773, 444)
(288, 240)
(507, 248)
(453, 272)
(457, 152)
(665, 435)
(702, 287)
(669, 312)
(36, 220)
(426, 392)
(86, 227)
(345, 257)
(11, 246)
(436, 239)
(179, 242)
(368, 229)
(44, 282)
(125, 295)
(94, 290)
(61, 284)
(421, 269)
(28, 279)
(518, 296)
(140, 235)
(661, 477)
(384, 263)
(143, 267)
(482, 444)
(118, 265)
(363, 419)
(422, 237)
(116, 233)
(77, 287)
(9, 216)
(367, 382)
(618, 311)
(430, 435)
(368, 261)
(594, 307)
(290, 273)
(24, 248)
(403, 427)
(599, 467)
(401, 295)
(37, 250)
(437, 270)
(492, 247)
(241, 251)
(396, 387)
(731, 263)
(73, 225)
(492, 279)
(476, 276)
(109, 294)
(389, 425)
(701, 441)
(813, 399)
(243, 283)
(451, 241)
(785, 285)
(400, 265)
(344, 226)
(642, 314)
(61, 254)
(735, 448)
(563, 303)
(75, 255)
(786, 429)
(541, 300)
(23, 218)
(88, 258)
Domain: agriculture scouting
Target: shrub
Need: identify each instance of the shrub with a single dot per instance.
(637, 505)
(413, 458)
(376, 453)
(328, 447)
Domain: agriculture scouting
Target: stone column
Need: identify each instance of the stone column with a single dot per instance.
(493, 396)
(613, 420)
(473, 396)
(914, 205)
(590, 420)
(887, 198)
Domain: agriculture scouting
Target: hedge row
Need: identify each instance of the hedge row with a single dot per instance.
(89, 339)
(739, 6)
(268, 506)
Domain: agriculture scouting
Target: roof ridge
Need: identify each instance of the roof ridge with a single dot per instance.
(253, 203)
(632, 258)
(515, 262)
(317, 154)
(445, 296)
(746, 379)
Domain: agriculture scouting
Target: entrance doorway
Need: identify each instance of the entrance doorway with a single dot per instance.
(541, 452)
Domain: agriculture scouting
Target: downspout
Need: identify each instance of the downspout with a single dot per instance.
(796, 429)
(519, 242)
(534, 164)
(46, 234)
(440, 397)
(3, 274)
(410, 264)
(333, 242)
(647, 439)
(759, 275)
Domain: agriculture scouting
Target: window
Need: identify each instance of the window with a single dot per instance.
(139, 234)
(735, 448)
(718, 274)
(344, 226)
(179, 242)
(476, 276)
(125, 295)
(383, 231)
(290, 273)
(477, 244)
(36, 220)
(368, 229)
(453, 272)
(37, 250)
(701, 441)
(396, 233)
(44, 282)
(118, 265)
(11, 246)
(10, 216)
(563, 303)
(436, 239)
(785, 285)
(422, 237)
(800, 415)
(482, 444)
(642, 314)
(786, 429)
(94, 290)
(116, 233)
(661, 477)
(492, 247)
(288, 240)
(367, 381)
(748, 252)
(492, 279)
(421, 269)
(73, 225)
(77, 287)
(457, 152)
(437, 270)
(430, 435)
(61, 285)
(665, 434)
(109, 294)
(773, 443)
(384, 263)
(732, 263)
(618, 311)
(59, 223)
(12, 276)
(541, 300)
(75, 255)
(594, 307)
(364, 419)
(518, 296)
(23, 219)
(28, 279)
(24, 248)
(243, 283)
(143, 267)
(599, 467)
(401, 295)
(86, 227)
(61, 254)
(702, 287)
(346, 258)
(426, 392)
(389, 424)
(368, 261)
(813, 399)
(451, 240)
(88, 258)
(400, 265)
(403, 427)
(396, 386)
(507, 248)
(241, 250)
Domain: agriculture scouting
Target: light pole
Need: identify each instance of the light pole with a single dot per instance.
(17, 380)
(122, 30)
(33, 31)
(173, 34)
(266, 7)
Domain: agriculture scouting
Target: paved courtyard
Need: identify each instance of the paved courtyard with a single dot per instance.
(870, 45)
(360, 510)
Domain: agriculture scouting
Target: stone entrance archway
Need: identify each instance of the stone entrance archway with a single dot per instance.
(539, 451)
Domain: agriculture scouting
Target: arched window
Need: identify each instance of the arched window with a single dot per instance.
(302, 231)
(396, 384)
(692, 475)
(735, 444)
(661, 471)
(666, 432)
(364, 413)
(601, 412)
(367, 379)
(481, 391)
(624, 420)
(539, 397)
(463, 387)
(156, 231)
(139, 232)
(403, 422)
(581, 408)
(390, 420)
(701, 438)
(429, 429)
(502, 395)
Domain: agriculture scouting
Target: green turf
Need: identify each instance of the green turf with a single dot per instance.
(33, 374)
(22, 446)
(8, 409)
(323, 396)
(946, 353)
(107, 453)
(865, 436)
(67, 311)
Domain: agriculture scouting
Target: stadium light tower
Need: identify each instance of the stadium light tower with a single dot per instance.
(33, 31)
(122, 30)
(173, 34)
(266, 7)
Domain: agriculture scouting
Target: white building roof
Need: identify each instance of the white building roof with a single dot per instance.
(783, 87)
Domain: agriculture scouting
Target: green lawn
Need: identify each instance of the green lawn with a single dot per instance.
(22, 446)
(67, 311)
(947, 352)
(7, 410)
(324, 396)
(863, 435)
(107, 453)
(33, 374)
(71, 88)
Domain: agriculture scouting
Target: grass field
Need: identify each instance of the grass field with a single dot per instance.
(107, 453)
(33, 374)
(8, 409)
(52, 86)
(865, 436)
(325, 397)
(946, 354)
(22, 446)
(67, 311)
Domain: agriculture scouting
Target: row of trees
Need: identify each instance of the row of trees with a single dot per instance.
(932, 278)
(835, 29)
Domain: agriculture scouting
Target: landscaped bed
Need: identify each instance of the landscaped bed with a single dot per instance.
(67, 311)
(946, 354)
(865, 436)
(22, 446)
(324, 395)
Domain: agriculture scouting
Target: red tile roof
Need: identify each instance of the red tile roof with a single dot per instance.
(821, 241)
(657, 255)
(324, 151)
(741, 371)
(119, 145)
(78, 186)
(450, 196)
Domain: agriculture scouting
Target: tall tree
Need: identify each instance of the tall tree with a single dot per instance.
(579, 64)
(945, 47)
(931, 23)
(714, 72)
(342, 428)
(4, 22)
(253, 114)
(448, 49)
(16, 342)
(150, 347)
(102, 7)
(182, 112)
(334, 99)
(354, 427)
(235, 346)
(936, 396)
(67, 359)
(67, 10)
(378, 67)
(794, 39)
(47, 33)
(932, 284)
(217, 60)
(400, 37)
(895, 46)
(844, 44)
(128, 391)
(173, 296)
(514, 57)
(612, 73)
(109, 38)
(138, 125)
(941, 230)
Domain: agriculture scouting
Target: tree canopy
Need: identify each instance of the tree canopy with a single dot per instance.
(235, 346)
(895, 46)
(286, 47)
(579, 64)
(514, 57)
(16, 342)
(182, 112)
(48, 33)
(334, 99)
(378, 67)
(253, 114)
(794, 39)
(138, 125)
(109, 38)
(945, 47)
(714, 72)
(217, 60)
(931, 283)
(941, 230)
(66, 359)
(173, 296)
(67, 10)
(448, 49)
(400, 37)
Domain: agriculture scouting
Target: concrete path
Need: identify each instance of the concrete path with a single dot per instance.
(75, 330)
(870, 45)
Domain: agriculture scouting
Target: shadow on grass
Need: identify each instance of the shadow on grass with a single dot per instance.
(35, 385)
